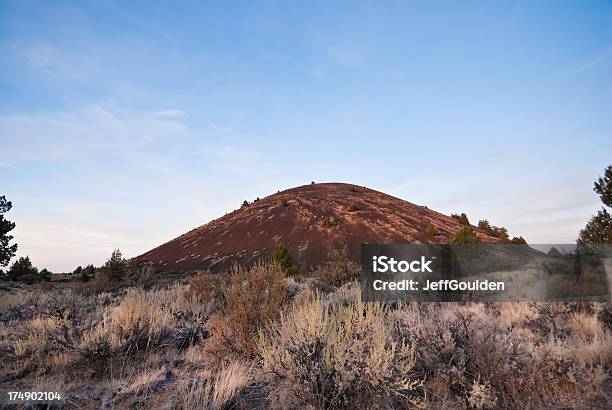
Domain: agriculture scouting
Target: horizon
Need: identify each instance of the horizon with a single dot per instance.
(125, 126)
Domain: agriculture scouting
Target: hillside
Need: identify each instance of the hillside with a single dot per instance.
(310, 220)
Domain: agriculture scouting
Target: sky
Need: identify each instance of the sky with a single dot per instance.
(125, 124)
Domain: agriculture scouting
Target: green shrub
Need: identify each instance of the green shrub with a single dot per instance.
(484, 225)
(281, 257)
(465, 236)
(22, 269)
(44, 275)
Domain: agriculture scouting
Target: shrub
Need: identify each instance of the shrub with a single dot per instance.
(136, 322)
(605, 316)
(284, 203)
(22, 269)
(329, 222)
(254, 298)
(462, 219)
(338, 269)
(281, 257)
(484, 225)
(519, 240)
(465, 236)
(501, 233)
(208, 288)
(244, 203)
(431, 230)
(342, 357)
(87, 273)
(44, 275)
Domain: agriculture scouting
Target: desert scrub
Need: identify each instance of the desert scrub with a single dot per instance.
(338, 269)
(136, 322)
(255, 297)
(144, 319)
(486, 356)
(337, 357)
(208, 288)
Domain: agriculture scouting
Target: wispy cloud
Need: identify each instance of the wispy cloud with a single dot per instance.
(595, 62)
(170, 113)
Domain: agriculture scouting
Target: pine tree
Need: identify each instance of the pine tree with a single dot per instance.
(115, 267)
(22, 267)
(7, 251)
(599, 227)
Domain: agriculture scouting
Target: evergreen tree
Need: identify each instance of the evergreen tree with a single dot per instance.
(21, 268)
(486, 226)
(7, 251)
(116, 267)
(281, 257)
(599, 227)
(45, 275)
(519, 240)
(603, 187)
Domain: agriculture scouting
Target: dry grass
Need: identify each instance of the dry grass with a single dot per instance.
(216, 390)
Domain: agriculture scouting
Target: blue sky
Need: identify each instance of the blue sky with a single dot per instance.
(124, 124)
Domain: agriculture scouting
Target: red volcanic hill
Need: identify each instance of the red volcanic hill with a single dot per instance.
(310, 220)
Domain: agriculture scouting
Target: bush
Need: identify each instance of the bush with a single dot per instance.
(329, 222)
(22, 269)
(519, 240)
(338, 269)
(501, 233)
(484, 225)
(284, 203)
(254, 298)
(138, 321)
(44, 275)
(465, 236)
(462, 219)
(341, 357)
(281, 257)
(431, 230)
(208, 288)
(87, 273)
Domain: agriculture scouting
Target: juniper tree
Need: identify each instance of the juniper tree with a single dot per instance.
(7, 251)
(599, 227)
